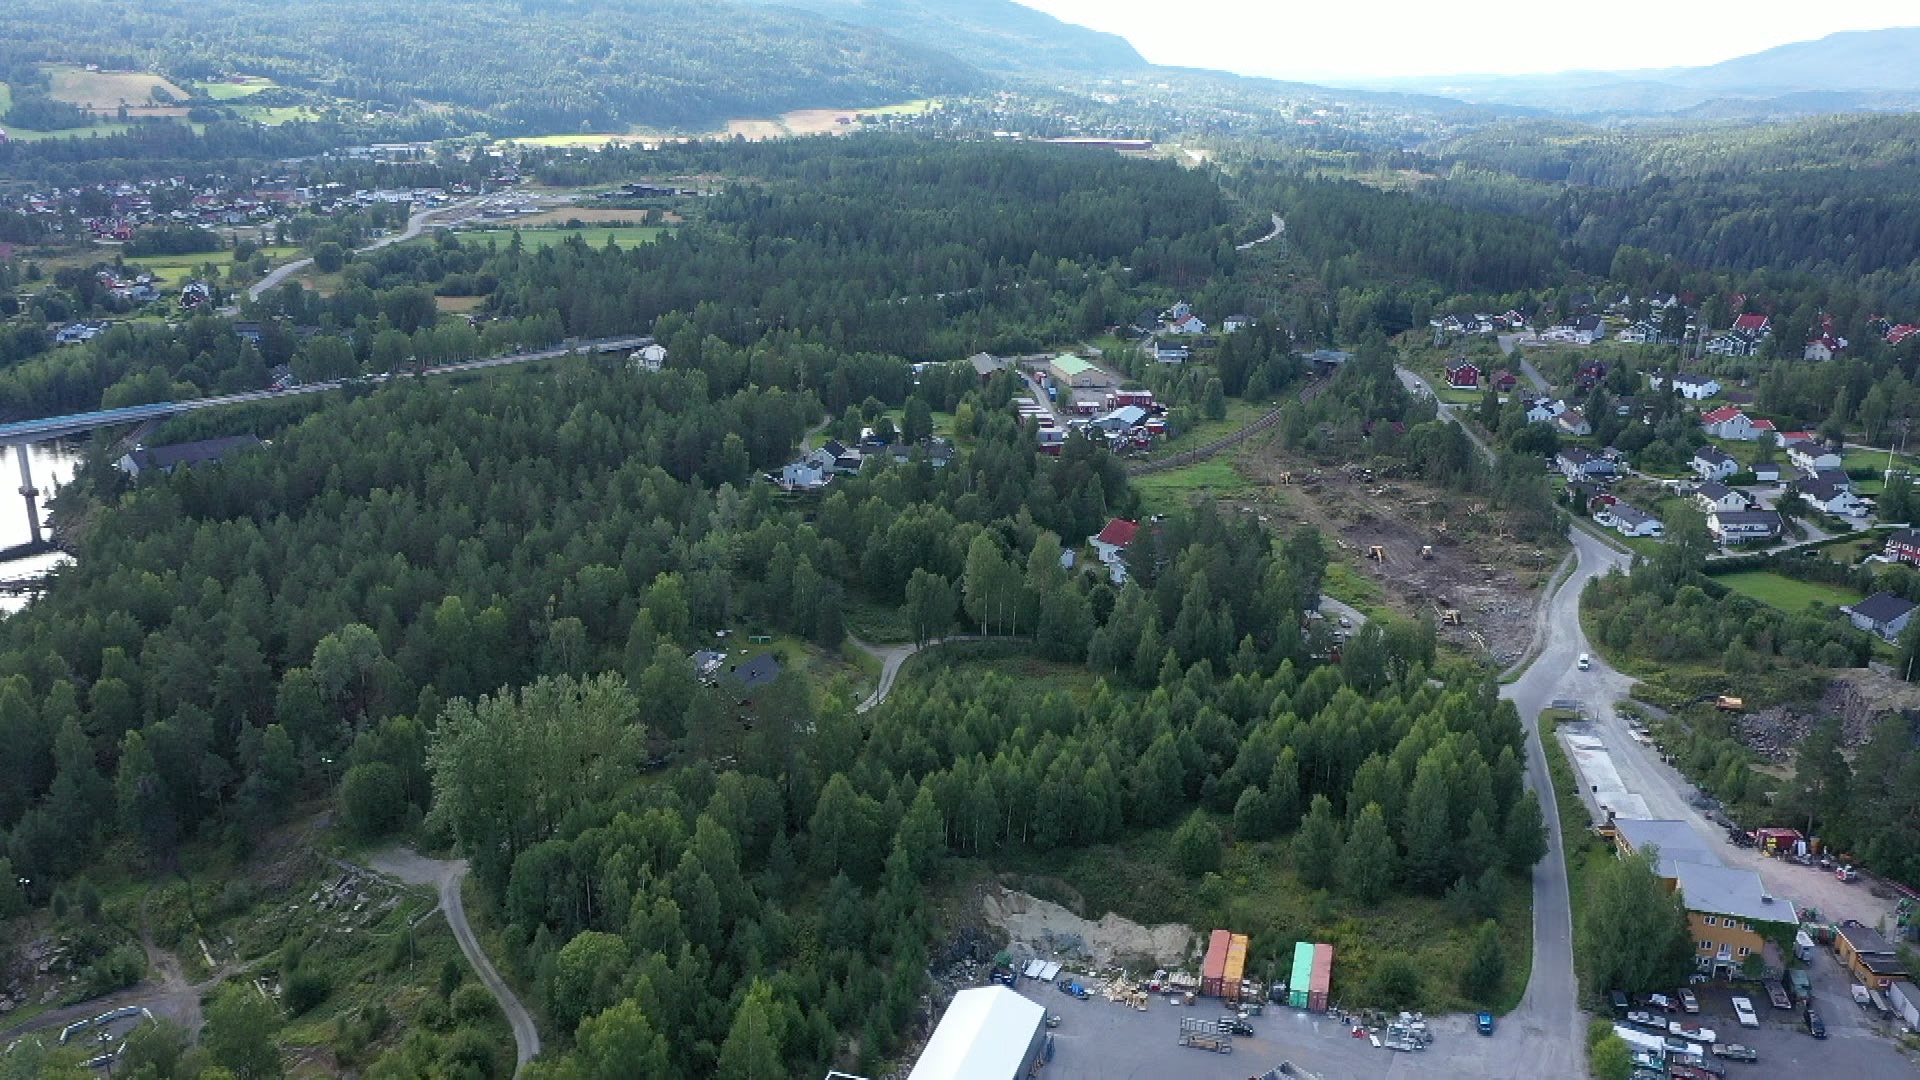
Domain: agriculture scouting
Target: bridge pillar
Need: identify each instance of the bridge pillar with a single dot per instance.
(31, 493)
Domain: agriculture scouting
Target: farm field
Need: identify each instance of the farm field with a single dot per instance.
(541, 239)
(589, 215)
(1166, 491)
(104, 91)
(274, 115)
(236, 87)
(1785, 593)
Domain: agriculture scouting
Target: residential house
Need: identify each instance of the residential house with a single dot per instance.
(1691, 387)
(1588, 329)
(1742, 526)
(937, 451)
(841, 458)
(1640, 333)
(1830, 498)
(650, 357)
(1766, 472)
(1573, 422)
(745, 680)
(1544, 410)
(1731, 344)
(1872, 959)
(1713, 463)
(165, 459)
(1630, 520)
(1754, 325)
(1729, 911)
(1728, 422)
(804, 475)
(1825, 347)
(1904, 546)
(706, 664)
(1168, 350)
(1463, 375)
(1503, 381)
(1837, 477)
(1124, 418)
(1188, 325)
(1110, 545)
(1812, 455)
(1882, 613)
(1233, 324)
(1787, 438)
(250, 332)
(1575, 462)
(1900, 333)
(1714, 495)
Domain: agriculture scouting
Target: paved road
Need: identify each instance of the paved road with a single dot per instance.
(1419, 387)
(446, 875)
(1533, 376)
(416, 224)
(1279, 230)
(1548, 1019)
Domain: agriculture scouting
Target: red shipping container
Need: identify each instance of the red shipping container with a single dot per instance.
(1215, 966)
(1322, 978)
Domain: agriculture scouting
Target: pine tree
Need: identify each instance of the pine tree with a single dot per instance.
(1487, 966)
(1316, 848)
(1367, 862)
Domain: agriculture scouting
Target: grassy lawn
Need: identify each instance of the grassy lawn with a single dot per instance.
(177, 269)
(1166, 491)
(274, 115)
(1867, 458)
(1351, 587)
(92, 131)
(876, 623)
(905, 108)
(1785, 593)
(540, 239)
(1239, 415)
(1256, 893)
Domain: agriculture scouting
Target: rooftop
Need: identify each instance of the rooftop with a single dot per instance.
(1070, 365)
(1881, 607)
(984, 1035)
(1704, 882)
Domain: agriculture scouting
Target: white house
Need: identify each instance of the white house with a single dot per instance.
(1233, 324)
(1727, 422)
(1714, 495)
(1110, 545)
(1573, 422)
(1766, 472)
(1730, 344)
(1812, 455)
(1633, 521)
(1691, 387)
(1576, 462)
(1713, 463)
(1544, 410)
(1882, 613)
(1830, 498)
(1739, 526)
(1189, 324)
(804, 475)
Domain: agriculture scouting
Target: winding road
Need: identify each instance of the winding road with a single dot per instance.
(418, 223)
(445, 875)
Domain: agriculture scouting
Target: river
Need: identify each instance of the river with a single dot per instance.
(53, 464)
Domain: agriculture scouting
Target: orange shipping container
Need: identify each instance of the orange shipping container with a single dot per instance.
(1215, 965)
(1236, 967)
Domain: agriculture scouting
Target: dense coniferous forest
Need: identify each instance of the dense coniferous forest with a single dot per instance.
(551, 66)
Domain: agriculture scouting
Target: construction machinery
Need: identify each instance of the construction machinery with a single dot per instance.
(1426, 551)
(1377, 553)
(1450, 616)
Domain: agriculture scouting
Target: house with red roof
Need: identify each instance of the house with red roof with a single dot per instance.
(1728, 422)
(1756, 325)
(1504, 381)
(1900, 333)
(1825, 347)
(1110, 545)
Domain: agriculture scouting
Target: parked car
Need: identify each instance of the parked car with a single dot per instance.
(1647, 1020)
(1860, 995)
(1743, 1012)
(1618, 998)
(1691, 1031)
(1815, 1026)
(1663, 1002)
(1689, 1002)
(1484, 1022)
(1847, 874)
(1734, 1052)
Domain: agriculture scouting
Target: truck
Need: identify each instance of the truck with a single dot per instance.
(1219, 1044)
(1777, 995)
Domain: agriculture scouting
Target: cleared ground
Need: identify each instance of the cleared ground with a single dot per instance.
(105, 91)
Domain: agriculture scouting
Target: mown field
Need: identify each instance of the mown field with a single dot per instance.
(106, 90)
(1785, 593)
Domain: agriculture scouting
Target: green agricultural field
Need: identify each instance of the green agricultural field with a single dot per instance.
(106, 89)
(1785, 593)
(240, 86)
(541, 239)
(274, 115)
(178, 269)
(905, 108)
(91, 131)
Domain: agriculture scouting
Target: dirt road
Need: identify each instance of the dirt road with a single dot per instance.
(446, 875)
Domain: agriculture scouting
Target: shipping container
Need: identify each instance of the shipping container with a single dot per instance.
(1236, 969)
(1322, 978)
(1302, 974)
(1215, 966)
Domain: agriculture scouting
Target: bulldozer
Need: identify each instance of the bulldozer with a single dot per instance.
(1377, 553)
(1450, 616)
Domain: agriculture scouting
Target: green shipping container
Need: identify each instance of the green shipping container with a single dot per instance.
(1298, 985)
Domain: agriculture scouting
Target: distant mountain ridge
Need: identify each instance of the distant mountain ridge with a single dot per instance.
(993, 35)
(1867, 70)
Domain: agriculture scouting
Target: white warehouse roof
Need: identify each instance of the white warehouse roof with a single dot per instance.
(984, 1035)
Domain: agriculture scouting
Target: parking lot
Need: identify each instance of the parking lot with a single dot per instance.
(1101, 1040)
(1852, 1050)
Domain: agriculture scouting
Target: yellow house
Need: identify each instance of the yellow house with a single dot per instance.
(1727, 909)
(1870, 958)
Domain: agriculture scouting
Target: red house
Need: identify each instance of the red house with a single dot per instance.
(1463, 375)
(1904, 546)
(1753, 324)
(1504, 381)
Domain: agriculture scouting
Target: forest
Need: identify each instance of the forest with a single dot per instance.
(604, 65)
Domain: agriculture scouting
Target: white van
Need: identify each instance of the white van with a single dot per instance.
(1586, 662)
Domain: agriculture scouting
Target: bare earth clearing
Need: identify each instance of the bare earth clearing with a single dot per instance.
(1047, 930)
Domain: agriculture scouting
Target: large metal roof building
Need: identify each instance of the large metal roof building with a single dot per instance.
(988, 1033)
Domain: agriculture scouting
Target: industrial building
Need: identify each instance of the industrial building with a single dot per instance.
(1725, 906)
(988, 1033)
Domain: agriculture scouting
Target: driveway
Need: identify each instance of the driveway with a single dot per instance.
(446, 875)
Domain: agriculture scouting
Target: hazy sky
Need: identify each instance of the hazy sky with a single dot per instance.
(1370, 39)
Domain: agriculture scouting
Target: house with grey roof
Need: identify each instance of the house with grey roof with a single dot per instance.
(1882, 613)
